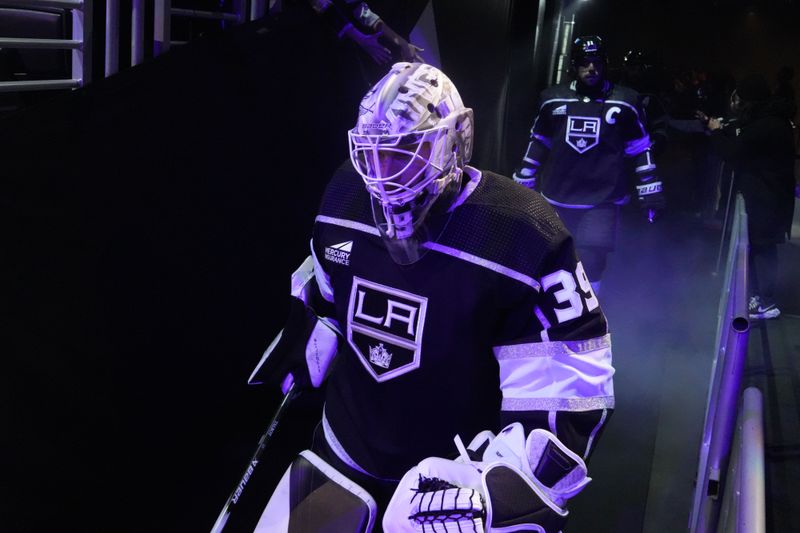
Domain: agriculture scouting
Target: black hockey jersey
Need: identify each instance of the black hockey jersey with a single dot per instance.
(497, 315)
(587, 147)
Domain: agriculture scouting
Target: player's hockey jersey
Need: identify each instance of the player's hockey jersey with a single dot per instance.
(588, 148)
(497, 315)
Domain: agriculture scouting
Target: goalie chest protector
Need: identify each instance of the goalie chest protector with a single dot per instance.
(418, 365)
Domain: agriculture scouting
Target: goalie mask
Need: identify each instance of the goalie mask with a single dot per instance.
(410, 144)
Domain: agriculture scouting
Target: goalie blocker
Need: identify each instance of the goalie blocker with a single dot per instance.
(304, 349)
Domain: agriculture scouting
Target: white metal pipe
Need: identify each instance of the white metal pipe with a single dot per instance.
(137, 32)
(49, 44)
(38, 85)
(751, 517)
(112, 37)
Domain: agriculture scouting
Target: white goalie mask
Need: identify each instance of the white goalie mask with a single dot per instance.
(410, 144)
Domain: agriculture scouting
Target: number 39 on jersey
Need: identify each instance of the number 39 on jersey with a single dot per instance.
(572, 291)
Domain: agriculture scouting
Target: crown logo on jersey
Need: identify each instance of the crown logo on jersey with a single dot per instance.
(380, 356)
(581, 143)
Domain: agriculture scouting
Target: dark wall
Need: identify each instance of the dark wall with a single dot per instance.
(487, 50)
(149, 227)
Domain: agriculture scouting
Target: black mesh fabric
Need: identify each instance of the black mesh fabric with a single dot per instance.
(346, 197)
(515, 226)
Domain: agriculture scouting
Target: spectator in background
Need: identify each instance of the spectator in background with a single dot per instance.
(356, 21)
(761, 149)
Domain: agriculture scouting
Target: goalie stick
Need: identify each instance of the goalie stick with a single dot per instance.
(230, 504)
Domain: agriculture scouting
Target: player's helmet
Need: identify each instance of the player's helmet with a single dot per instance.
(586, 48)
(410, 143)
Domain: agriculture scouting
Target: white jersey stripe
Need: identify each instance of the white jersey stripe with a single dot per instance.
(480, 261)
(458, 254)
(352, 224)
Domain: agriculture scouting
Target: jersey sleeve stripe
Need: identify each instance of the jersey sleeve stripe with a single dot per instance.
(637, 146)
(564, 375)
(322, 278)
(553, 348)
(544, 140)
(339, 450)
(557, 404)
(480, 261)
(351, 224)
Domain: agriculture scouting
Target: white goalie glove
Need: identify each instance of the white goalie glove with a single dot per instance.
(502, 483)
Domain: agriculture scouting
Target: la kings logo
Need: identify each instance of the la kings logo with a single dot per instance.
(384, 328)
(339, 253)
(583, 133)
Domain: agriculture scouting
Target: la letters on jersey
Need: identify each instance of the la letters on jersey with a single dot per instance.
(385, 327)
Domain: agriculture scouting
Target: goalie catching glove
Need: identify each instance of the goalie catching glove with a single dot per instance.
(502, 483)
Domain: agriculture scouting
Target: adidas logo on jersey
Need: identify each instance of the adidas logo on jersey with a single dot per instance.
(339, 253)
(560, 110)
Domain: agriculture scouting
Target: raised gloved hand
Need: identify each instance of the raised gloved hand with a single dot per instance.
(498, 483)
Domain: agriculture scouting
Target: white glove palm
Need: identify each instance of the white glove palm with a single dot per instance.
(517, 481)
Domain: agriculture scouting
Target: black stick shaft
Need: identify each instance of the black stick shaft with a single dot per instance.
(230, 504)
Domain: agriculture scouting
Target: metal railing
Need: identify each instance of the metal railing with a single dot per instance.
(80, 43)
(744, 502)
(724, 392)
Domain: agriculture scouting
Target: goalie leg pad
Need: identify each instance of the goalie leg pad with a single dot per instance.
(314, 497)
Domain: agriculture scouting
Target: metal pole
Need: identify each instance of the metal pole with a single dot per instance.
(58, 4)
(257, 9)
(556, 40)
(752, 506)
(112, 37)
(82, 58)
(42, 44)
(38, 85)
(162, 33)
(725, 219)
(137, 32)
(564, 52)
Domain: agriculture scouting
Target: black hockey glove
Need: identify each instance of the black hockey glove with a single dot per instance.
(651, 198)
(302, 352)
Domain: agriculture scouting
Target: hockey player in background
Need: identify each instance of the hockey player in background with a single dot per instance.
(442, 303)
(588, 139)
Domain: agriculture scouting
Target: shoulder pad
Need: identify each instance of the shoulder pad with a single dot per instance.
(507, 224)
